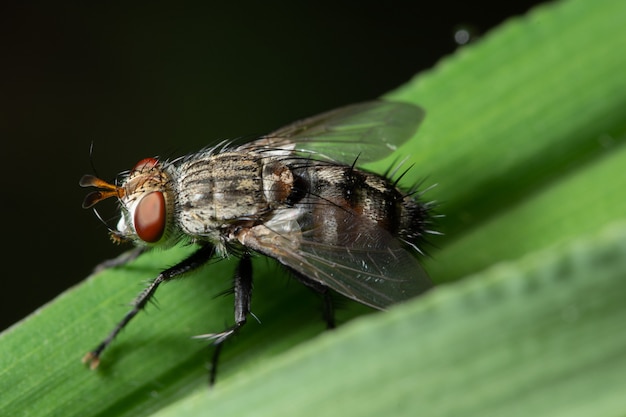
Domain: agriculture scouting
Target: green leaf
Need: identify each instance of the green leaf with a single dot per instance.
(524, 138)
(533, 337)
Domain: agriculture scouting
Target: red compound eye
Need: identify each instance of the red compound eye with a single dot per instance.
(150, 217)
(145, 164)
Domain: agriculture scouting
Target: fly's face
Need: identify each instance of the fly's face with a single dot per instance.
(147, 199)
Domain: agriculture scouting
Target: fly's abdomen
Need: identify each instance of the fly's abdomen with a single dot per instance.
(343, 193)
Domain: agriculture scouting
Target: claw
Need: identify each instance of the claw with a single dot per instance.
(92, 359)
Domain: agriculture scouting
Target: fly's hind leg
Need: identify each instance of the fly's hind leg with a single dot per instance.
(242, 289)
(328, 312)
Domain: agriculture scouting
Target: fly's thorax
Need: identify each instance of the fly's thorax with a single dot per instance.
(147, 199)
(220, 191)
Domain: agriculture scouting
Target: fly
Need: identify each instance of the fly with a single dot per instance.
(294, 195)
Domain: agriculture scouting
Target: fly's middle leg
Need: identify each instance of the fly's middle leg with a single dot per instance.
(242, 289)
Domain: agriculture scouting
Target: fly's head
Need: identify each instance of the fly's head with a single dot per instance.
(146, 198)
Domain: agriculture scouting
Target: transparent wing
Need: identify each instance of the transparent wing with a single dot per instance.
(369, 131)
(366, 264)
(376, 276)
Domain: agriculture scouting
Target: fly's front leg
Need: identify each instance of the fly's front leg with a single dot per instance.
(123, 259)
(194, 261)
(242, 289)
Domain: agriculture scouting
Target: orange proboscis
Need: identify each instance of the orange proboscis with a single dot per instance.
(105, 191)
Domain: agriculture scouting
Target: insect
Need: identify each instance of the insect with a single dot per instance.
(294, 195)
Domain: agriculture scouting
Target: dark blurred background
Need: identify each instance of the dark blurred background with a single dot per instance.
(150, 80)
